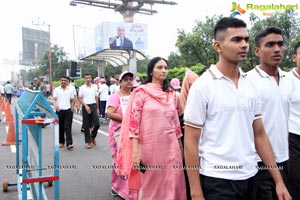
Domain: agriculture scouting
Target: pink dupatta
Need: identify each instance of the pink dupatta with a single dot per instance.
(124, 153)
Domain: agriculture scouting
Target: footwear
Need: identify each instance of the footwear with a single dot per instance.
(93, 141)
(112, 192)
(82, 130)
(89, 146)
(70, 146)
(61, 145)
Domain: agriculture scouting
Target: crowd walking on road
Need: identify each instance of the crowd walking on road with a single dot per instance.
(223, 134)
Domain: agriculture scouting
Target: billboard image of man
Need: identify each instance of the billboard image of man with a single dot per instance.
(120, 41)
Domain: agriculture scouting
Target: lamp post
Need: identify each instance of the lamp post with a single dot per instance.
(49, 55)
(49, 47)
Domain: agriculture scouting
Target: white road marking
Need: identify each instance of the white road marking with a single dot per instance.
(99, 131)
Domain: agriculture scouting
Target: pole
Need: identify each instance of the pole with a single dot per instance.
(49, 56)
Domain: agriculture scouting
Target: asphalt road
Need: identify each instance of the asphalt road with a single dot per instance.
(84, 174)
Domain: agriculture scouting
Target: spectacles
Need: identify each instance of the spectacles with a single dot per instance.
(127, 79)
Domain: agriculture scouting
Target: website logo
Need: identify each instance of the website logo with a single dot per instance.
(236, 10)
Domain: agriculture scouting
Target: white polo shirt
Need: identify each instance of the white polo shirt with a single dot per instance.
(103, 92)
(63, 97)
(294, 104)
(225, 114)
(88, 94)
(274, 103)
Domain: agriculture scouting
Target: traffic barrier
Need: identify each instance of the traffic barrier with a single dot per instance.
(33, 111)
(7, 113)
(11, 135)
(2, 103)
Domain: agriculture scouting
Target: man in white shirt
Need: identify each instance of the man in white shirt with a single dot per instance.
(88, 97)
(223, 124)
(103, 96)
(63, 101)
(9, 90)
(113, 88)
(275, 92)
(294, 125)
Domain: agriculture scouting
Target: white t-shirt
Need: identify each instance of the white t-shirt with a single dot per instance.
(294, 104)
(274, 103)
(88, 94)
(113, 89)
(103, 92)
(225, 114)
(63, 97)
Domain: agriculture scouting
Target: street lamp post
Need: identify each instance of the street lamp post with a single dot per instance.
(49, 48)
(49, 56)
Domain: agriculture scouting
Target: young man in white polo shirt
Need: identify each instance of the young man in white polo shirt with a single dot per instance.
(63, 100)
(88, 97)
(294, 125)
(223, 124)
(275, 92)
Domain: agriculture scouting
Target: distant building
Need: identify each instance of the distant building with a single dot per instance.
(35, 44)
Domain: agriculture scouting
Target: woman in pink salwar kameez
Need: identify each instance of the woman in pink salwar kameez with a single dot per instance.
(116, 107)
(151, 134)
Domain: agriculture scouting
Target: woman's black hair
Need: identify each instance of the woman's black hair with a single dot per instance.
(153, 61)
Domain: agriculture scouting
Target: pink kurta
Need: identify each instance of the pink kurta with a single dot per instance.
(119, 184)
(154, 120)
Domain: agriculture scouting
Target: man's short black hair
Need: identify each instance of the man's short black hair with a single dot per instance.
(228, 22)
(296, 47)
(267, 31)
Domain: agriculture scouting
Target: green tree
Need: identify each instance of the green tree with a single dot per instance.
(59, 63)
(288, 22)
(174, 60)
(196, 47)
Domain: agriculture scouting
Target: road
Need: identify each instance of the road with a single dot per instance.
(82, 174)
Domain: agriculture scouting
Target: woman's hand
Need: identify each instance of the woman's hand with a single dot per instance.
(136, 156)
(136, 159)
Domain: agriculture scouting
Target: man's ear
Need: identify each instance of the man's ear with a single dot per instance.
(217, 46)
(257, 51)
(294, 57)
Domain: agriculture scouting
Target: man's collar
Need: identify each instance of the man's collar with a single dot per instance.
(265, 75)
(216, 73)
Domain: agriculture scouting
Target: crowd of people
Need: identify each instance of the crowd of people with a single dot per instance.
(223, 134)
(241, 129)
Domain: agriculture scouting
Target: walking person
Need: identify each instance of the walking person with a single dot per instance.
(275, 92)
(63, 102)
(88, 98)
(150, 138)
(223, 125)
(9, 90)
(116, 108)
(294, 126)
(103, 96)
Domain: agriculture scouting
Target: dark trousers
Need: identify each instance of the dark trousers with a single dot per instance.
(264, 185)
(65, 126)
(102, 108)
(187, 184)
(89, 120)
(294, 165)
(223, 189)
(8, 97)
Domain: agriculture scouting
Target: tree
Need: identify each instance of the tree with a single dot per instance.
(196, 47)
(59, 63)
(174, 60)
(289, 24)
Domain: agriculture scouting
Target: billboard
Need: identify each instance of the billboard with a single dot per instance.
(35, 43)
(109, 35)
(126, 36)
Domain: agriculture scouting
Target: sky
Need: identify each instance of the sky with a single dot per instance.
(162, 27)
